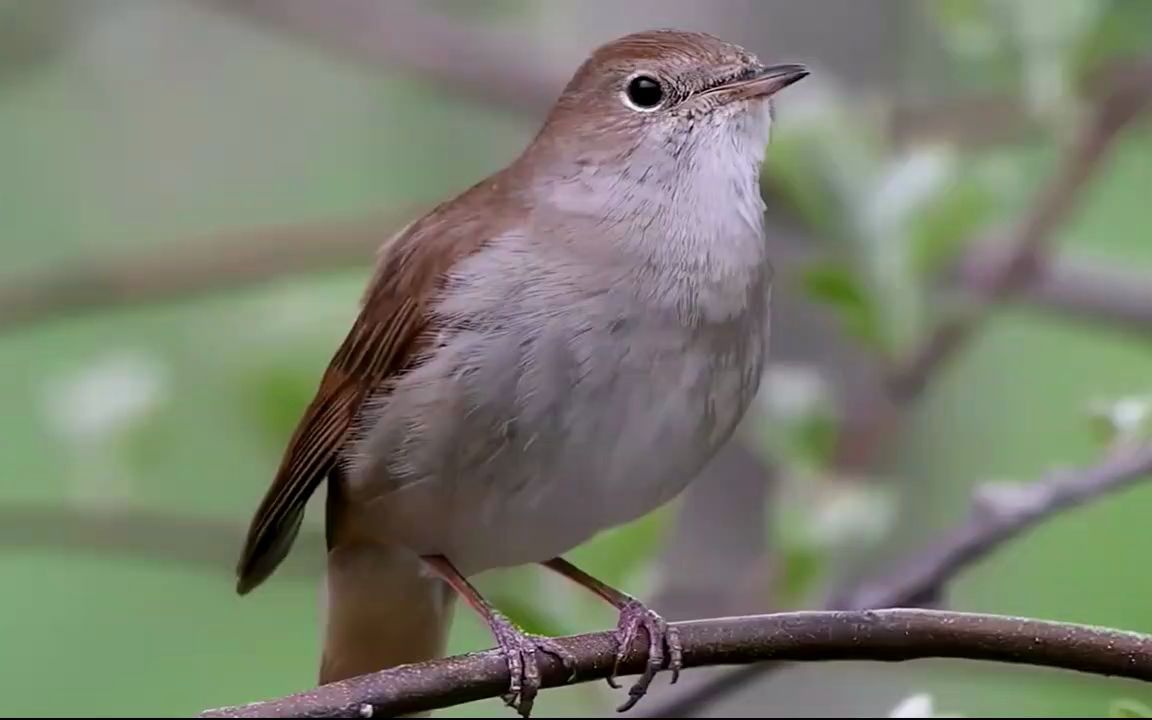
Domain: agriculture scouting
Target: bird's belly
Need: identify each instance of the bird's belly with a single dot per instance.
(528, 463)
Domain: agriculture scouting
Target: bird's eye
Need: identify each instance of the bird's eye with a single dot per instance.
(644, 92)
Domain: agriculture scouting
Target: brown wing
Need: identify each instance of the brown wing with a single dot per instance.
(379, 345)
(363, 361)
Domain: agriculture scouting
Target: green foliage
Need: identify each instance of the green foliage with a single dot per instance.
(275, 394)
(949, 222)
(833, 283)
(1128, 708)
(1123, 421)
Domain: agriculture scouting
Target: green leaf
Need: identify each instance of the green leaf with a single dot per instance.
(835, 285)
(1126, 419)
(942, 229)
(276, 397)
(815, 439)
(802, 567)
(792, 175)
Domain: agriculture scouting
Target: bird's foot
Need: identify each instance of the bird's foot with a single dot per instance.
(520, 650)
(663, 642)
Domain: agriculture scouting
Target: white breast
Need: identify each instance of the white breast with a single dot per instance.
(579, 385)
(552, 416)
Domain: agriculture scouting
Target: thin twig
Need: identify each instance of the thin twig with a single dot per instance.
(1036, 229)
(998, 515)
(883, 636)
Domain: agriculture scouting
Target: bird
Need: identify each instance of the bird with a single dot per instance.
(556, 351)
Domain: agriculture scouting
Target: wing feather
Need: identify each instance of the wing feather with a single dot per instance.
(379, 345)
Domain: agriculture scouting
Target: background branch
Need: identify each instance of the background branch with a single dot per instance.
(167, 538)
(998, 514)
(1029, 240)
(194, 268)
(1091, 292)
(882, 635)
(1121, 101)
(474, 60)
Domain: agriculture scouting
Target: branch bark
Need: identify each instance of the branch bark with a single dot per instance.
(998, 515)
(883, 636)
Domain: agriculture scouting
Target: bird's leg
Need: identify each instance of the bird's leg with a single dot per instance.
(633, 616)
(519, 647)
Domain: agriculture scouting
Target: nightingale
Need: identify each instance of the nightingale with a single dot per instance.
(556, 351)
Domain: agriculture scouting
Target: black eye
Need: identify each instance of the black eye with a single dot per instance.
(645, 92)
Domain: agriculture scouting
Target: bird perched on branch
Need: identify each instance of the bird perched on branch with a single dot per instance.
(558, 350)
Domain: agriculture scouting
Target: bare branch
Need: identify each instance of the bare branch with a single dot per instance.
(164, 537)
(485, 63)
(192, 268)
(1029, 242)
(1091, 292)
(1123, 98)
(883, 635)
(998, 515)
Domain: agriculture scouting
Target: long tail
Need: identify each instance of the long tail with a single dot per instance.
(383, 609)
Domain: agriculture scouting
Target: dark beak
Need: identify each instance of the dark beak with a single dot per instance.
(765, 83)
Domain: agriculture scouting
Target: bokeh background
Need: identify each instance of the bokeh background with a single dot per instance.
(190, 193)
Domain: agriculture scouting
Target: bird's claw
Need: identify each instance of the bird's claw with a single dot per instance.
(520, 650)
(661, 637)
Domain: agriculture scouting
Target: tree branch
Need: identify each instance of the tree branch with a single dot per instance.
(169, 538)
(235, 260)
(1126, 100)
(883, 635)
(1121, 100)
(1091, 292)
(486, 63)
(998, 515)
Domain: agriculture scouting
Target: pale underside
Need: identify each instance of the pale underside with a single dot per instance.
(546, 417)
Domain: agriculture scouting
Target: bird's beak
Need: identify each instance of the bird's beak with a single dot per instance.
(765, 83)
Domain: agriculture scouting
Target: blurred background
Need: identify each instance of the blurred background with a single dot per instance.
(190, 196)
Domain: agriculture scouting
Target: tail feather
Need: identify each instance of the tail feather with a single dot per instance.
(383, 609)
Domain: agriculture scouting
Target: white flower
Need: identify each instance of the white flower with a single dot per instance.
(95, 407)
(849, 513)
(793, 391)
(107, 397)
(919, 705)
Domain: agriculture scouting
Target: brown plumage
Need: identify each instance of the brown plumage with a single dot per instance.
(555, 351)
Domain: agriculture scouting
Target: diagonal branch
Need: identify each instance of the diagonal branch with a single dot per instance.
(1120, 101)
(998, 515)
(883, 635)
(1034, 233)
(488, 64)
